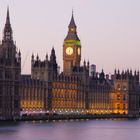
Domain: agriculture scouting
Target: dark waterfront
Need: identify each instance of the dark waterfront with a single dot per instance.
(72, 130)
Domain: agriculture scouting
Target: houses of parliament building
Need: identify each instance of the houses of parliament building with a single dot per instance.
(73, 91)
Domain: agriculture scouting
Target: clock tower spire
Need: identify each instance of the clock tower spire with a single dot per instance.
(71, 48)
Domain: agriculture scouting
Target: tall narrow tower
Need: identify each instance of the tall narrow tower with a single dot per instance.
(10, 71)
(71, 48)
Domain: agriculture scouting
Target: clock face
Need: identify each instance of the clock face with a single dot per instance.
(79, 51)
(69, 51)
(72, 29)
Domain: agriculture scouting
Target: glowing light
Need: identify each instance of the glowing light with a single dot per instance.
(72, 42)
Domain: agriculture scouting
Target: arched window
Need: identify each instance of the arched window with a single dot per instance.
(124, 88)
(118, 87)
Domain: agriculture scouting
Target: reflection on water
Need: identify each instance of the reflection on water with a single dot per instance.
(71, 130)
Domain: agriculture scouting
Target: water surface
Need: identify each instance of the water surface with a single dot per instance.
(71, 130)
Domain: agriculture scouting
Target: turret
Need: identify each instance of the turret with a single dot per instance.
(46, 56)
(8, 33)
(53, 62)
(53, 56)
(100, 77)
(37, 57)
(138, 77)
(88, 65)
(32, 59)
(84, 63)
(115, 71)
(19, 57)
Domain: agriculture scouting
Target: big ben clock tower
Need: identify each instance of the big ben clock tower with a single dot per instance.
(71, 48)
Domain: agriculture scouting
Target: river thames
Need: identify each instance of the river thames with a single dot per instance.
(72, 130)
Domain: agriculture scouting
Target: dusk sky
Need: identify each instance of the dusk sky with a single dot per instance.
(109, 30)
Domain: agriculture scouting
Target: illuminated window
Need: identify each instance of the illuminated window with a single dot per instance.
(118, 97)
(124, 106)
(118, 87)
(124, 97)
(118, 106)
(124, 88)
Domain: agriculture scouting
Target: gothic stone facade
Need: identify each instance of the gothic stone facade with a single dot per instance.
(125, 93)
(33, 95)
(10, 71)
(74, 91)
(71, 91)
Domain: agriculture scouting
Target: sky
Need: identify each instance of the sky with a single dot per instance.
(109, 30)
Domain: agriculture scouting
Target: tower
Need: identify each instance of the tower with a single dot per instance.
(10, 71)
(53, 62)
(126, 91)
(71, 48)
(44, 70)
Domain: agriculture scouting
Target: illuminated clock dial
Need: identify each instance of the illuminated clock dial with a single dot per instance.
(69, 51)
(79, 51)
(72, 29)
